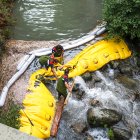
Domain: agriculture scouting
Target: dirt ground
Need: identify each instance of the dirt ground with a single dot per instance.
(15, 50)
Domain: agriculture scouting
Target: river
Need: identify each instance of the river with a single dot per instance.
(55, 19)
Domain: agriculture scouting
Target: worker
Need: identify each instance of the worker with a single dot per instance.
(46, 61)
(63, 85)
(58, 51)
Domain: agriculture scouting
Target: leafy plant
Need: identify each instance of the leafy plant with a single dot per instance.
(122, 17)
(10, 115)
(110, 134)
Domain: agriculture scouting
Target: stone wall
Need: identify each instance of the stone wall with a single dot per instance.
(8, 133)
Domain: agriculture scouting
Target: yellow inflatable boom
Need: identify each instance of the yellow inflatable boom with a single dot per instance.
(37, 116)
(93, 58)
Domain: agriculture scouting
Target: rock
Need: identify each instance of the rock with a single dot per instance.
(128, 82)
(121, 133)
(100, 117)
(114, 64)
(89, 137)
(87, 76)
(79, 94)
(90, 84)
(93, 102)
(76, 87)
(79, 127)
(96, 78)
(135, 96)
(126, 69)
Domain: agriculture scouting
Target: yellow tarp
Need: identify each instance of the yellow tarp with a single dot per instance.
(40, 104)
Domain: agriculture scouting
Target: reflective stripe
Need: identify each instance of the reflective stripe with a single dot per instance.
(48, 62)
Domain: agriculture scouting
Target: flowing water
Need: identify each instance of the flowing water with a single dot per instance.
(55, 19)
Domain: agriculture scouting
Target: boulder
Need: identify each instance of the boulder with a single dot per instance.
(79, 127)
(121, 133)
(126, 69)
(87, 76)
(98, 117)
(127, 82)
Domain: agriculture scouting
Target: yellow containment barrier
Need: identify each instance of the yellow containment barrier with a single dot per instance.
(95, 56)
(36, 119)
(39, 110)
(92, 58)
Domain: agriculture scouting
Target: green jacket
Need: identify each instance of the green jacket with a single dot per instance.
(61, 86)
(43, 60)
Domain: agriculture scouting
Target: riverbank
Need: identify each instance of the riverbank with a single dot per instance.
(15, 50)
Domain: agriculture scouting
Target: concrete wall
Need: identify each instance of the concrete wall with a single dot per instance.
(8, 133)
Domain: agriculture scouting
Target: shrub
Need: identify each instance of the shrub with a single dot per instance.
(6, 19)
(122, 17)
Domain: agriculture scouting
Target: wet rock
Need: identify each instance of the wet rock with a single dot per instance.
(89, 137)
(79, 127)
(126, 69)
(94, 102)
(96, 78)
(80, 94)
(87, 76)
(90, 84)
(100, 117)
(135, 96)
(121, 133)
(76, 87)
(114, 64)
(128, 82)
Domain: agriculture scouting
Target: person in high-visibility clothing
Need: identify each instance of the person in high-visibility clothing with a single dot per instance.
(58, 52)
(63, 84)
(46, 61)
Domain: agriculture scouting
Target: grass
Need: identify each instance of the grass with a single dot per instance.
(9, 115)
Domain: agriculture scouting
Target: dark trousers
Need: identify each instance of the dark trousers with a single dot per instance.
(61, 94)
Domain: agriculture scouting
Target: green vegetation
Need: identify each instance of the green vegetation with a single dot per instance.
(9, 116)
(122, 17)
(110, 134)
(5, 19)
